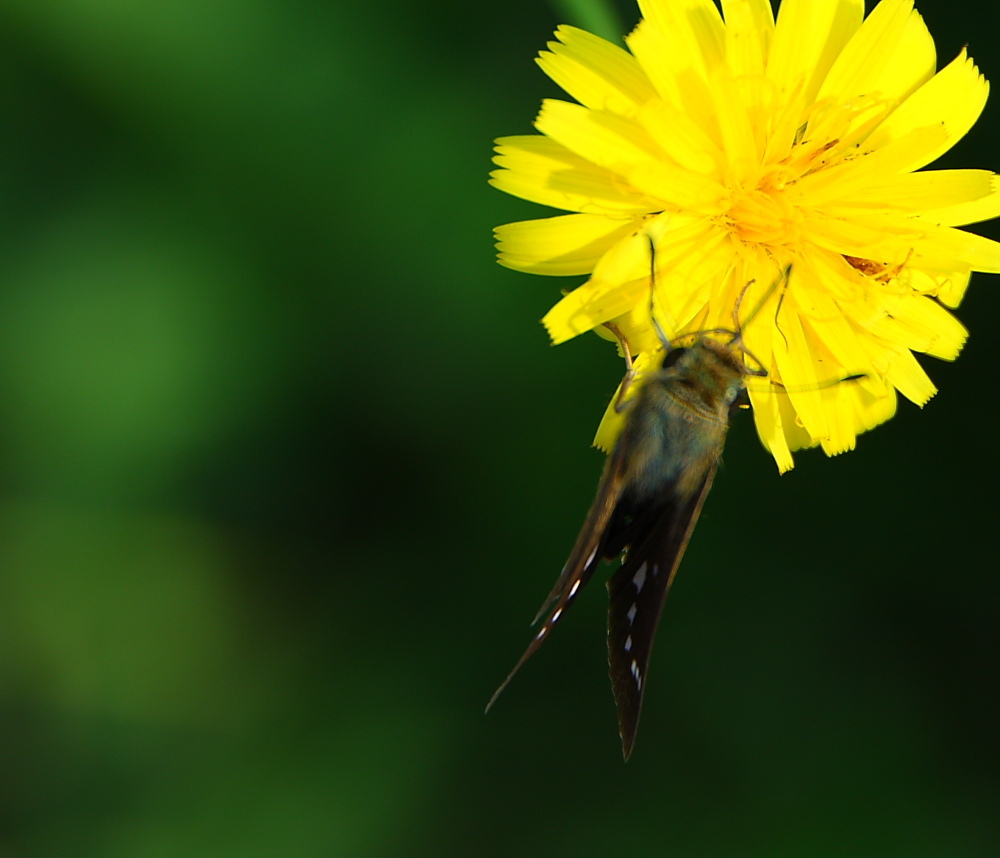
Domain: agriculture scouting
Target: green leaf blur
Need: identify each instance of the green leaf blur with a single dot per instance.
(287, 465)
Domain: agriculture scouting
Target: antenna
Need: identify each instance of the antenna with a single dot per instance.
(782, 281)
(652, 294)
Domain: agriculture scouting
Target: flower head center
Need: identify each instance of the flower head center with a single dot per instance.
(762, 213)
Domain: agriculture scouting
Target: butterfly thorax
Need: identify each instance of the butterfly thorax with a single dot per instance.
(677, 428)
(705, 378)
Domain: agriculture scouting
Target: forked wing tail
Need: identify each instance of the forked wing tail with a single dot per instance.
(637, 594)
(583, 560)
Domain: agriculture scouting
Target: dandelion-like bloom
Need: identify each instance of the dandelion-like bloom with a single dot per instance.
(736, 147)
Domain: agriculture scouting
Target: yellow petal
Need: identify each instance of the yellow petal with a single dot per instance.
(691, 262)
(808, 38)
(930, 190)
(541, 170)
(617, 284)
(844, 231)
(909, 378)
(770, 430)
(749, 30)
(831, 391)
(892, 238)
(677, 44)
(872, 409)
(911, 65)
(842, 430)
(690, 32)
(595, 72)
(610, 426)
(917, 323)
(944, 335)
(569, 244)
(677, 188)
(646, 43)
(794, 360)
(961, 214)
(612, 421)
(590, 305)
(953, 99)
(778, 423)
(736, 131)
(604, 138)
(951, 287)
(691, 257)
(841, 325)
(796, 435)
(947, 286)
(950, 249)
(868, 53)
(682, 140)
(890, 56)
(851, 177)
(831, 327)
(693, 266)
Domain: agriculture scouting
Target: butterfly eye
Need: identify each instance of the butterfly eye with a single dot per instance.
(671, 357)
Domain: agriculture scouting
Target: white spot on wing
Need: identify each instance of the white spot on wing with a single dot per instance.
(636, 674)
(541, 634)
(590, 559)
(574, 588)
(631, 613)
(639, 579)
(555, 616)
(628, 644)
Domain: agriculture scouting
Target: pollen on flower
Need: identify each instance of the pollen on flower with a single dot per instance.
(737, 145)
(763, 215)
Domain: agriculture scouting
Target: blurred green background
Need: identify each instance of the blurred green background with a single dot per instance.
(287, 464)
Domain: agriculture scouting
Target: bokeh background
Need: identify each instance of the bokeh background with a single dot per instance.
(287, 464)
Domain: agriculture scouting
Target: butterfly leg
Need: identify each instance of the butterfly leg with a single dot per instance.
(620, 404)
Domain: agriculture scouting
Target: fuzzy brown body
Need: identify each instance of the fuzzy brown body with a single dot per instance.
(648, 500)
(677, 424)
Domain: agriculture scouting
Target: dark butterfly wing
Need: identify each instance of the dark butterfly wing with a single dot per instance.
(638, 590)
(583, 559)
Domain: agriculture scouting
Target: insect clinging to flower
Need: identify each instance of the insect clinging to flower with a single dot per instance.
(721, 148)
(650, 495)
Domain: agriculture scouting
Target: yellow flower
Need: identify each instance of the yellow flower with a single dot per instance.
(739, 146)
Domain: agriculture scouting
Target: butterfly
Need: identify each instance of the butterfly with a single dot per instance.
(649, 497)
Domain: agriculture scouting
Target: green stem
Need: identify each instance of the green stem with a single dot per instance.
(597, 16)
